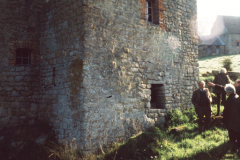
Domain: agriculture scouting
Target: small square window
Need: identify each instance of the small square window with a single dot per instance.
(23, 56)
(238, 44)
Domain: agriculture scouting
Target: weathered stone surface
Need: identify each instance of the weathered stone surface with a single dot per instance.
(94, 63)
(3, 113)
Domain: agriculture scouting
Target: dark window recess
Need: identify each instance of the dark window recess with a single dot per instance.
(157, 96)
(238, 43)
(23, 56)
(149, 11)
(218, 46)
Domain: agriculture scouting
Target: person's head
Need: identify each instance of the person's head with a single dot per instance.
(237, 83)
(230, 89)
(223, 70)
(201, 84)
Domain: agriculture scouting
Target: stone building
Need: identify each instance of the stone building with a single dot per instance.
(209, 46)
(227, 28)
(97, 70)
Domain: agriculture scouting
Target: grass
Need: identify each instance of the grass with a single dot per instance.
(207, 64)
(178, 139)
(163, 144)
(188, 143)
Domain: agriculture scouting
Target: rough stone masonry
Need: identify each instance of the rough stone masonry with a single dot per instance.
(98, 71)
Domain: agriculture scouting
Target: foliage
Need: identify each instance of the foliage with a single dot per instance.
(68, 151)
(157, 143)
(176, 117)
(213, 95)
(227, 63)
(189, 144)
(207, 64)
(206, 80)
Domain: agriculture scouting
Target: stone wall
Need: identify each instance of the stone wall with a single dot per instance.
(233, 48)
(125, 56)
(225, 39)
(19, 85)
(204, 50)
(96, 62)
(62, 60)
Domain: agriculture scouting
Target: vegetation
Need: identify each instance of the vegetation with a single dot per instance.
(207, 64)
(26, 142)
(179, 139)
(164, 142)
(227, 63)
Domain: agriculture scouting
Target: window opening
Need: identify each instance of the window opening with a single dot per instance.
(149, 11)
(23, 56)
(238, 43)
(157, 96)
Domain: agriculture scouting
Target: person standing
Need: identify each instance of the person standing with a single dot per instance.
(234, 123)
(221, 79)
(231, 114)
(231, 93)
(202, 100)
(237, 86)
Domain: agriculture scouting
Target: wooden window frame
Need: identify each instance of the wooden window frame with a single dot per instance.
(151, 10)
(23, 57)
(157, 15)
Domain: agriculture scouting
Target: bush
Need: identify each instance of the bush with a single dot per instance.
(191, 114)
(227, 63)
(177, 117)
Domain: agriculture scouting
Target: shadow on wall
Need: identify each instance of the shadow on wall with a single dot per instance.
(28, 141)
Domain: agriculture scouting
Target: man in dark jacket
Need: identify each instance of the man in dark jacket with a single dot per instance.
(221, 79)
(237, 86)
(231, 113)
(231, 93)
(202, 100)
(234, 122)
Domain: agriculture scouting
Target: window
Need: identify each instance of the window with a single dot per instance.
(157, 96)
(23, 56)
(152, 12)
(149, 11)
(237, 43)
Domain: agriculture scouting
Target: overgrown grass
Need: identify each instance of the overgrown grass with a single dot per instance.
(179, 139)
(164, 142)
(207, 64)
(187, 143)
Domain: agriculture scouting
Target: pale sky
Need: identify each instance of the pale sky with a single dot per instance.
(209, 9)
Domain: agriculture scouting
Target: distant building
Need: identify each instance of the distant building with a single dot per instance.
(228, 29)
(210, 45)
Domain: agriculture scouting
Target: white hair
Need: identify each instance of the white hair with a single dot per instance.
(230, 88)
(223, 70)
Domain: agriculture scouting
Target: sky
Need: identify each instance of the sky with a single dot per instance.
(209, 9)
